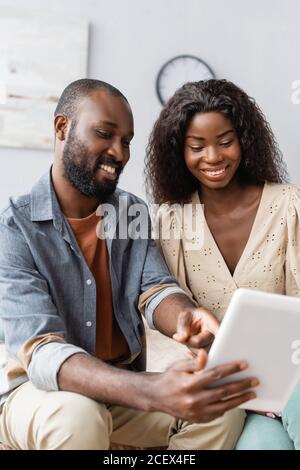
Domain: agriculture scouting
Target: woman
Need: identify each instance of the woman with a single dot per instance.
(212, 145)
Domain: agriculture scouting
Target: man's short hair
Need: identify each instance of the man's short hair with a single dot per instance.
(75, 91)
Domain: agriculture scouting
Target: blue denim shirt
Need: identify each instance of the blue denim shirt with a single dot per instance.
(48, 293)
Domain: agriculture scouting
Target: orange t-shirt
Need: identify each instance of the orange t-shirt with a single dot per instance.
(111, 345)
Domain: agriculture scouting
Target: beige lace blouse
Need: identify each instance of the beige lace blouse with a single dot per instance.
(270, 261)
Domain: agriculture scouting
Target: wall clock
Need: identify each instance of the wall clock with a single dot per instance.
(179, 70)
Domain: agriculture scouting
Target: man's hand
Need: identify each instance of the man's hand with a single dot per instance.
(196, 328)
(184, 390)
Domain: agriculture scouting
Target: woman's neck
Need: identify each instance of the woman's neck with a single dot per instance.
(225, 199)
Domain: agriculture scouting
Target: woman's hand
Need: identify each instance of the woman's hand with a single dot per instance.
(268, 414)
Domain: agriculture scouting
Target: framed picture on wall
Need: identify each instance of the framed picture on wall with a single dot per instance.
(38, 58)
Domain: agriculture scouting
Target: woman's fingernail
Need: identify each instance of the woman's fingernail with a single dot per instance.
(243, 365)
(271, 415)
(254, 382)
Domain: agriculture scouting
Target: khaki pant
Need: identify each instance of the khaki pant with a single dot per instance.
(34, 419)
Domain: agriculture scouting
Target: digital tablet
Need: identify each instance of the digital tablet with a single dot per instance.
(264, 330)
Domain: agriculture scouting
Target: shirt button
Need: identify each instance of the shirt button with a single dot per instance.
(88, 323)
(89, 282)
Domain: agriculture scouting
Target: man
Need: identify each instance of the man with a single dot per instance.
(69, 302)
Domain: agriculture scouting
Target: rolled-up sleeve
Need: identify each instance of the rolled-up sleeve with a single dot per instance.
(49, 356)
(154, 300)
(157, 283)
(28, 312)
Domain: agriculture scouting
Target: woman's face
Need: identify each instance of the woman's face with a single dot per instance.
(212, 151)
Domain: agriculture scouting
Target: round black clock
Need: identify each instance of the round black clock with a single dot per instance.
(179, 70)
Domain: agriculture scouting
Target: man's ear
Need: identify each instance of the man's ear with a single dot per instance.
(61, 126)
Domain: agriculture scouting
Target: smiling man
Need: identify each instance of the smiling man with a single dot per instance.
(92, 152)
(69, 301)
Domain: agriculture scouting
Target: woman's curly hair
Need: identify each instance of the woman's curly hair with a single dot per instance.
(167, 176)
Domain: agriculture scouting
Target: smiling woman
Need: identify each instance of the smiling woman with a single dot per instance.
(213, 148)
(167, 176)
(212, 151)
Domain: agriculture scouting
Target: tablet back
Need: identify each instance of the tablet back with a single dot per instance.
(263, 329)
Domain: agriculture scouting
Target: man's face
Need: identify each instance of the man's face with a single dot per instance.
(97, 145)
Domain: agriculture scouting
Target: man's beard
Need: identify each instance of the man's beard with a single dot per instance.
(82, 176)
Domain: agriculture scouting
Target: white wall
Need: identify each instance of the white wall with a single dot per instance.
(255, 43)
